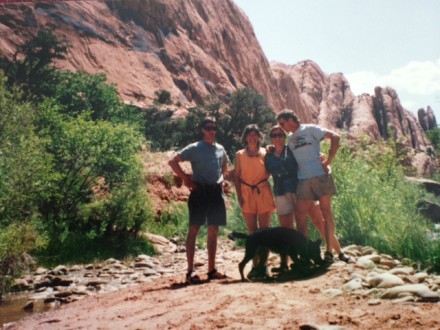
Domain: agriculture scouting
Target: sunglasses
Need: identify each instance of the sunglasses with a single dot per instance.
(277, 135)
(210, 128)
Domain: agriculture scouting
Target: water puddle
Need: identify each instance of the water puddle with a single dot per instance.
(11, 308)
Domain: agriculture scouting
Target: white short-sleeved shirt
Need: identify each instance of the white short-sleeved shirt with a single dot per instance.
(305, 146)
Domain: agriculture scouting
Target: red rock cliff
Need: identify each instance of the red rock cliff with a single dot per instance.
(193, 48)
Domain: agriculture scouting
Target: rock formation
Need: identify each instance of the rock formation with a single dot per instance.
(194, 48)
(427, 118)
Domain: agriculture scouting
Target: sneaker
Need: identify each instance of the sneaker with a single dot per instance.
(192, 277)
(343, 257)
(215, 275)
(328, 257)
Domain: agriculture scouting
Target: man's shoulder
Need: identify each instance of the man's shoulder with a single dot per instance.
(219, 146)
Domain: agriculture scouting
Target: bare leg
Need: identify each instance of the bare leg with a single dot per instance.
(286, 220)
(302, 209)
(212, 246)
(330, 235)
(264, 220)
(317, 220)
(251, 222)
(191, 245)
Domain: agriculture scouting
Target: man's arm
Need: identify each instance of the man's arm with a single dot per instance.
(334, 146)
(186, 178)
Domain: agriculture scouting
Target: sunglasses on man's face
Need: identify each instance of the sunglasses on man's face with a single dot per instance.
(210, 128)
(273, 136)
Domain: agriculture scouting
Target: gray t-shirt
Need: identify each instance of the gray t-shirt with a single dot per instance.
(305, 146)
(207, 161)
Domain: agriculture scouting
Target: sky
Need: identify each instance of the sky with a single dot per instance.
(387, 43)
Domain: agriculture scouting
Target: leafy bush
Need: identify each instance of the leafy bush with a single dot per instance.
(89, 155)
(163, 96)
(16, 239)
(25, 167)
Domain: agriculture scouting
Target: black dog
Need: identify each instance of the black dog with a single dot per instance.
(285, 241)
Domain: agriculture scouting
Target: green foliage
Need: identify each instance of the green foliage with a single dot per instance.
(89, 156)
(434, 137)
(24, 165)
(163, 97)
(245, 106)
(15, 240)
(80, 248)
(30, 67)
(171, 222)
(375, 205)
(159, 129)
(78, 93)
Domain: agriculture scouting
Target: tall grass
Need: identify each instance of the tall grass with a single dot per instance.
(376, 206)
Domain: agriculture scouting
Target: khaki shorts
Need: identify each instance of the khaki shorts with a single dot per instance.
(316, 187)
(285, 203)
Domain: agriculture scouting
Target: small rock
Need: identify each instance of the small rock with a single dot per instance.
(365, 262)
(41, 271)
(402, 271)
(385, 281)
(149, 272)
(392, 293)
(374, 302)
(29, 307)
(428, 296)
(354, 284)
(59, 270)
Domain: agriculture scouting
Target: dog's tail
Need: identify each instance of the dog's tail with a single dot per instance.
(234, 235)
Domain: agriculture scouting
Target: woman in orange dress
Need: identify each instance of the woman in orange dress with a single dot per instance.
(251, 182)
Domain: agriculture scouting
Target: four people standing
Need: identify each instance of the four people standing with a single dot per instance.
(300, 159)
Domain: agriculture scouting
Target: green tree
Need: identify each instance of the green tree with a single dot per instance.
(245, 107)
(79, 93)
(25, 167)
(163, 96)
(30, 67)
(87, 155)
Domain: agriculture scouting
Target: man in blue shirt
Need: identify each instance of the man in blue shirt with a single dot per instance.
(206, 202)
(316, 182)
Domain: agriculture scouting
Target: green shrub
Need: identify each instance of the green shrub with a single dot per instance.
(16, 239)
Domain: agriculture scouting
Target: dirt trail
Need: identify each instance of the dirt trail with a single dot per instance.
(167, 303)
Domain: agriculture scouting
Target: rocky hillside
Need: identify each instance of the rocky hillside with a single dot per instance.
(194, 48)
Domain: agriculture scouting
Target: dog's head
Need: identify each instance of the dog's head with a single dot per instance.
(314, 252)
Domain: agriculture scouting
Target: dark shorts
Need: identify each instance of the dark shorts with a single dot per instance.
(316, 187)
(207, 206)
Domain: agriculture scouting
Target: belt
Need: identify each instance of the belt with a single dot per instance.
(255, 186)
(208, 186)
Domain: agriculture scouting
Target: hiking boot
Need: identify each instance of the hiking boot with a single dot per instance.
(328, 257)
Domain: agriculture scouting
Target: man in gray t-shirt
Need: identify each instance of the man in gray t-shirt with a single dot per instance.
(316, 183)
(206, 202)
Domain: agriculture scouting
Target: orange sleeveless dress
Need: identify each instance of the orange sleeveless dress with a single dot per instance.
(255, 187)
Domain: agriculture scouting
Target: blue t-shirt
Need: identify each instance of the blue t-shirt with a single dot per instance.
(207, 161)
(283, 170)
(305, 146)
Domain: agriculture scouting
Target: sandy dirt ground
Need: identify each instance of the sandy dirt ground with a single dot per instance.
(294, 303)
